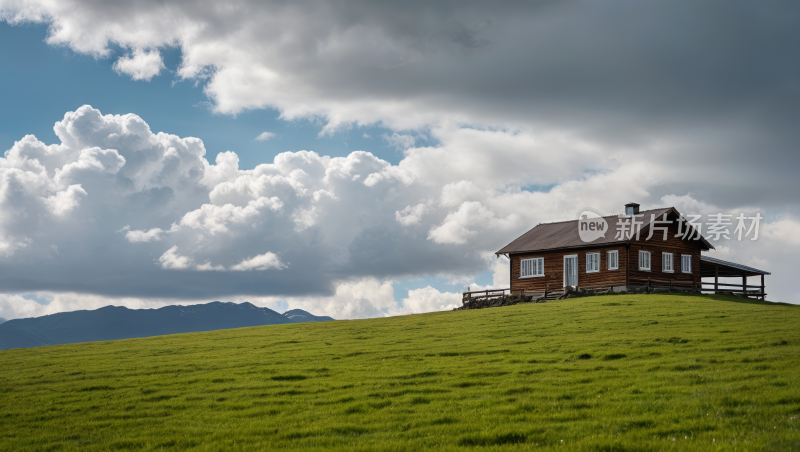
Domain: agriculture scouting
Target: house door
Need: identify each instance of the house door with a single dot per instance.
(571, 270)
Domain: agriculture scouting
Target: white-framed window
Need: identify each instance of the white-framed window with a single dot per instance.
(531, 268)
(644, 260)
(686, 263)
(592, 262)
(666, 263)
(612, 258)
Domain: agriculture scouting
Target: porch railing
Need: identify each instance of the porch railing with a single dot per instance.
(703, 287)
(650, 283)
(484, 294)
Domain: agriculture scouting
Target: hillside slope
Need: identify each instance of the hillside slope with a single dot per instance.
(621, 372)
(114, 322)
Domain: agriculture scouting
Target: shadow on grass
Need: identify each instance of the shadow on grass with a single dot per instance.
(495, 439)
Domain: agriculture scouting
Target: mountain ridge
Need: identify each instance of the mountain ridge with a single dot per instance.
(119, 322)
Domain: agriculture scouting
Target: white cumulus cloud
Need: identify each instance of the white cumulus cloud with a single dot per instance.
(171, 260)
(65, 200)
(264, 136)
(401, 142)
(260, 262)
(151, 235)
(140, 65)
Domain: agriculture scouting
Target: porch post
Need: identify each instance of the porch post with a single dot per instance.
(716, 279)
(744, 285)
(763, 298)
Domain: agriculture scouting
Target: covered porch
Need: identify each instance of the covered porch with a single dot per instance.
(717, 268)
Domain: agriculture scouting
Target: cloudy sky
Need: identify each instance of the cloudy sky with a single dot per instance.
(361, 159)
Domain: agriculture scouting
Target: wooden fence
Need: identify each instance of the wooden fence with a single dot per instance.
(703, 287)
(736, 289)
(484, 294)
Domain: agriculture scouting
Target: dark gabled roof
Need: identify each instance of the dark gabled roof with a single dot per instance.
(727, 269)
(564, 234)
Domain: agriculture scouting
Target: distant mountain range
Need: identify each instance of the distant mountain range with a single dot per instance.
(2, 320)
(113, 322)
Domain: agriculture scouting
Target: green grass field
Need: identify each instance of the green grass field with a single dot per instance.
(608, 373)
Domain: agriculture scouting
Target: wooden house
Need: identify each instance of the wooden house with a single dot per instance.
(660, 250)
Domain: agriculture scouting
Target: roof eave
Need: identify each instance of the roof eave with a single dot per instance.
(569, 247)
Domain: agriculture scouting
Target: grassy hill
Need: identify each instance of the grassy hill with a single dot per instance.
(622, 372)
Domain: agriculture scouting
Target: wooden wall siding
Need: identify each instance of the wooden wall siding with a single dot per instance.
(554, 269)
(628, 261)
(656, 246)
